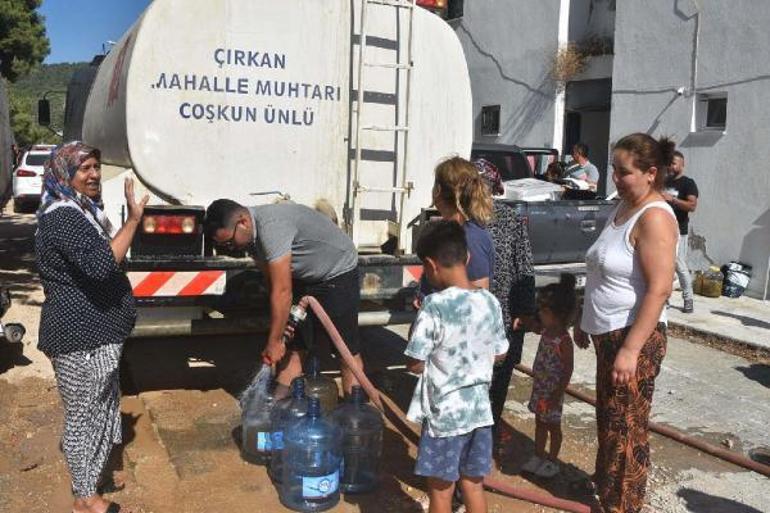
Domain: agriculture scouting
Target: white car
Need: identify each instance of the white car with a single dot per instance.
(28, 178)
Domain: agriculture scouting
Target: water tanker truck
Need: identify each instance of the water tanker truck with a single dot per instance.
(347, 103)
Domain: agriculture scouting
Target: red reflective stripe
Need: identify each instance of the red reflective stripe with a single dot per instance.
(200, 283)
(152, 283)
(415, 271)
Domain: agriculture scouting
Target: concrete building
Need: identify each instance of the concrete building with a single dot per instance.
(692, 69)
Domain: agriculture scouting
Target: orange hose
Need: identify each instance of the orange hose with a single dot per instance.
(345, 353)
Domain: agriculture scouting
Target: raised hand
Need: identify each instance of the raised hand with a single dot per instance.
(135, 209)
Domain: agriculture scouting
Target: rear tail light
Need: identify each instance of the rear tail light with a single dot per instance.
(169, 225)
(25, 173)
(432, 4)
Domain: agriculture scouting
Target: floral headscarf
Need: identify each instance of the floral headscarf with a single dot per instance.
(491, 175)
(57, 183)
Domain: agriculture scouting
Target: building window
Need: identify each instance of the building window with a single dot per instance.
(490, 120)
(711, 111)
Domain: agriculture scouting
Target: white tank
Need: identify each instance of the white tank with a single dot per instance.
(240, 97)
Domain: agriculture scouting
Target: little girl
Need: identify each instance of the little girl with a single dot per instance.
(552, 371)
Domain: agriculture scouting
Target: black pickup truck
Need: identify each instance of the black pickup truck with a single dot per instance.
(560, 231)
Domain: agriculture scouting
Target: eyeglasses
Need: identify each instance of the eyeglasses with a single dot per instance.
(229, 243)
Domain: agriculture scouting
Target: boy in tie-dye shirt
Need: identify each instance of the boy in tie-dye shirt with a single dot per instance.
(456, 338)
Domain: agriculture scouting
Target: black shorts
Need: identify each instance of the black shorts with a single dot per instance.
(341, 298)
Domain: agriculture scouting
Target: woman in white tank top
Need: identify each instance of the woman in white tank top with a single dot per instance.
(630, 272)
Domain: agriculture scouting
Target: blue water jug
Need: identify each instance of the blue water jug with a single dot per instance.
(285, 412)
(361, 426)
(322, 387)
(311, 462)
(256, 406)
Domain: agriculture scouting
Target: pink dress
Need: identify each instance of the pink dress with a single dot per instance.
(548, 373)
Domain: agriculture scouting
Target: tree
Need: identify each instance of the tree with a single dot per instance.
(23, 41)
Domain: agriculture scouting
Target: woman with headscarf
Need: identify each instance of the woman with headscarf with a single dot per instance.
(513, 284)
(88, 312)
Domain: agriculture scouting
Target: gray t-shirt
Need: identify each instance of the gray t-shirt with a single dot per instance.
(319, 250)
(589, 170)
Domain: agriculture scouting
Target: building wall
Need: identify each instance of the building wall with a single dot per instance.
(510, 46)
(655, 54)
(591, 18)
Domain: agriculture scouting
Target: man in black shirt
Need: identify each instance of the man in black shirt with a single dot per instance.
(682, 194)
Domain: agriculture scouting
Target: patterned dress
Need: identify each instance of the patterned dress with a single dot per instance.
(88, 313)
(547, 397)
(513, 284)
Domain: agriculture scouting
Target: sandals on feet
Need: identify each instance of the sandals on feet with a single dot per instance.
(423, 503)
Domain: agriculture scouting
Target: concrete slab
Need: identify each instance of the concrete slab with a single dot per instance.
(744, 320)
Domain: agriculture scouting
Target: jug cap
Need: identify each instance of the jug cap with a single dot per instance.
(313, 364)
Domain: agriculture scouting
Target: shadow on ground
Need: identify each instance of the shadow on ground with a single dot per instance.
(11, 355)
(745, 320)
(758, 372)
(700, 502)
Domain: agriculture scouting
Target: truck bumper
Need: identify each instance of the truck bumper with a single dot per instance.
(244, 325)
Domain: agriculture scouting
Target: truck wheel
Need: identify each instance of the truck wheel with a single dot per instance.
(14, 333)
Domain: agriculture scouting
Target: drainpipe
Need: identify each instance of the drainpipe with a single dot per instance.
(694, 67)
(559, 102)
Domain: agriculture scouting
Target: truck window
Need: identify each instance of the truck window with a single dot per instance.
(539, 161)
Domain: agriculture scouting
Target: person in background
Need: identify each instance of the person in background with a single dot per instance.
(513, 284)
(456, 338)
(584, 169)
(554, 172)
(88, 311)
(16, 154)
(552, 371)
(682, 194)
(630, 271)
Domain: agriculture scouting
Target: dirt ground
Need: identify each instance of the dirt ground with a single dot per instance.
(181, 428)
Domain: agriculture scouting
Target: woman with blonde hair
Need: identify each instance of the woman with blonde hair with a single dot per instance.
(461, 195)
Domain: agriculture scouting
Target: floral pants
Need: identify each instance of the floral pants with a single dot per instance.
(622, 416)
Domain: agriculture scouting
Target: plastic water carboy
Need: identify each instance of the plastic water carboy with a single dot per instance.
(362, 427)
(285, 412)
(319, 386)
(257, 405)
(311, 462)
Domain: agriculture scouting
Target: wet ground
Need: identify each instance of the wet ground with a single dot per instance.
(181, 419)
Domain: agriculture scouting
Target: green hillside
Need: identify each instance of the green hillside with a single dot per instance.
(26, 91)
